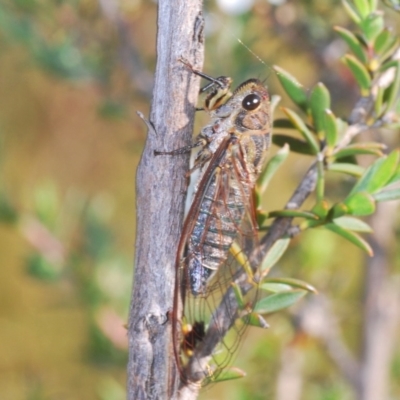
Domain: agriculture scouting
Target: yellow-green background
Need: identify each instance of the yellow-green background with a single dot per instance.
(70, 142)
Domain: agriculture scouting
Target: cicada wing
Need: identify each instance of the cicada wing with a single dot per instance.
(223, 228)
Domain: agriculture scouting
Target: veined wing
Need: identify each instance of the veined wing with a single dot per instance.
(222, 213)
(234, 144)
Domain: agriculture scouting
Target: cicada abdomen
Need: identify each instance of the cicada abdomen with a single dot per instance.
(233, 151)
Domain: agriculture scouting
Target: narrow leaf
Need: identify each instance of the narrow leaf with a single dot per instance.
(278, 301)
(275, 287)
(373, 148)
(320, 100)
(362, 7)
(292, 87)
(353, 43)
(359, 72)
(387, 195)
(354, 15)
(228, 374)
(351, 237)
(372, 26)
(363, 184)
(302, 128)
(331, 128)
(386, 171)
(378, 174)
(241, 258)
(382, 41)
(351, 169)
(290, 282)
(396, 177)
(393, 90)
(378, 104)
(274, 254)
(353, 224)
(257, 320)
(238, 295)
(272, 166)
(391, 48)
(360, 204)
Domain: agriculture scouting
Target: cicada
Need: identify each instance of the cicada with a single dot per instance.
(221, 218)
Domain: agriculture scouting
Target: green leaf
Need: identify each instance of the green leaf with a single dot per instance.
(241, 258)
(227, 374)
(360, 204)
(354, 15)
(387, 195)
(351, 169)
(320, 100)
(373, 5)
(395, 178)
(359, 72)
(288, 283)
(321, 209)
(274, 254)
(292, 87)
(390, 50)
(238, 295)
(362, 7)
(351, 237)
(296, 145)
(382, 41)
(275, 287)
(378, 174)
(372, 26)
(352, 224)
(373, 148)
(378, 104)
(353, 43)
(337, 211)
(302, 128)
(278, 301)
(257, 320)
(393, 89)
(272, 166)
(330, 128)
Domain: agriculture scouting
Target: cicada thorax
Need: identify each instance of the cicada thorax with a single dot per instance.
(222, 213)
(237, 139)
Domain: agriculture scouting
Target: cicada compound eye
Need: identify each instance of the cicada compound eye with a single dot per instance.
(251, 102)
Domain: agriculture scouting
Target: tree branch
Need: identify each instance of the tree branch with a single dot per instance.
(160, 187)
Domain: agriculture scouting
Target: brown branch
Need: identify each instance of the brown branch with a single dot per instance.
(160, 187)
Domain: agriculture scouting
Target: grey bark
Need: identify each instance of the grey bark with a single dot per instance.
(161, 187)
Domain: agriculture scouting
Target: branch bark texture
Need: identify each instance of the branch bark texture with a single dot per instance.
(160, 187)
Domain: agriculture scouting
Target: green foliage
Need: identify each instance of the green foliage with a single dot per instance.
(330, 138)
(278, 301)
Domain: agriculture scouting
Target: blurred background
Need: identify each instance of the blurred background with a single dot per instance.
(72, 76)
